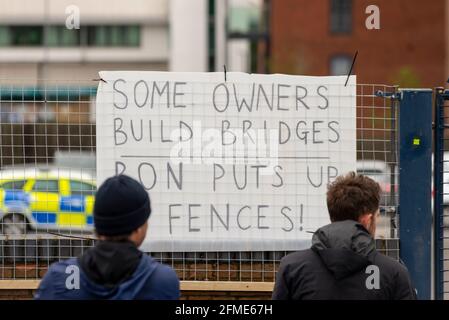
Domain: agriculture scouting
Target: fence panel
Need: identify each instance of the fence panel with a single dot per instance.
(47, 131)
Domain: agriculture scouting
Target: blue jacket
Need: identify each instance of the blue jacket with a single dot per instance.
(151, 280)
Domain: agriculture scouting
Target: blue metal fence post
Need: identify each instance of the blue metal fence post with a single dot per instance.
(415, 216)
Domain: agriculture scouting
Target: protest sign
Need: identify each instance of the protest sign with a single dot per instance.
(233, 165)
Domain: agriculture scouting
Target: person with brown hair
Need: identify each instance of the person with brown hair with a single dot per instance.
(343, 262)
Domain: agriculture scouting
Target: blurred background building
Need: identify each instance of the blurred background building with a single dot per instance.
(41, 59)
(411, 48)
(35, 43)
(320, 37)
(174, 35)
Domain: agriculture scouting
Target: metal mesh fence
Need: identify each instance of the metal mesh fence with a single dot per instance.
(47, 147)
(441, 171)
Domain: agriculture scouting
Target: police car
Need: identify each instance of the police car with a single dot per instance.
(54, 199)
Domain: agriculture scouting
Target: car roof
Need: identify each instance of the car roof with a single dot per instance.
(372, 164)
(36, 173)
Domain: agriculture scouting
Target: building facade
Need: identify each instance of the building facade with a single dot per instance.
(321, 37)
(36, 43)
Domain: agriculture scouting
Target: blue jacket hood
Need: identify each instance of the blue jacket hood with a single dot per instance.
(128, 289)
(151, 280)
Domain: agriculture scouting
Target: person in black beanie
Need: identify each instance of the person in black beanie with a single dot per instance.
(115, 268)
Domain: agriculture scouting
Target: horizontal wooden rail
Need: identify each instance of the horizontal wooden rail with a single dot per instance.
(226, 286)
(185, 285)
(19, 284)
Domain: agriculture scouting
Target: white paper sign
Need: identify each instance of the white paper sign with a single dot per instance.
(241, 165)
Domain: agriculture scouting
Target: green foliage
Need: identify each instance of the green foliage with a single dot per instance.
(406, 77)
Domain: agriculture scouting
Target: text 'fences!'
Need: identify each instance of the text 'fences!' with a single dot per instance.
(235, 165)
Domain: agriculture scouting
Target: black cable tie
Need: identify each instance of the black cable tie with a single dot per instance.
(100, 79)
(352, 66)
(224, 69)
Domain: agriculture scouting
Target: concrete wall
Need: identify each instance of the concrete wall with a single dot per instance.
(98, 11)
(188, 35)
(68, 73)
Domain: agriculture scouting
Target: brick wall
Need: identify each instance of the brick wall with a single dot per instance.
(411, 37)
(26, 294)
(16, 294)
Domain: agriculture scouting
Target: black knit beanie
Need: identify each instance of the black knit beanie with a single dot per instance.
(121, 206)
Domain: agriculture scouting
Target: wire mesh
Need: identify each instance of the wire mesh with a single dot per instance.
(442, 195)
(48, 135)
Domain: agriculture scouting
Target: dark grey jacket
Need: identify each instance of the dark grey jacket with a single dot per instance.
(342, 264)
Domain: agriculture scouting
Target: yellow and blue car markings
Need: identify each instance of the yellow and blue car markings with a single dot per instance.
(58, 210)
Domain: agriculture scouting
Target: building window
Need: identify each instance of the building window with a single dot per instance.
(113, 36)
(21, 36)
(60, 36)
(340, 65)
(340, 16)
(5, 38)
